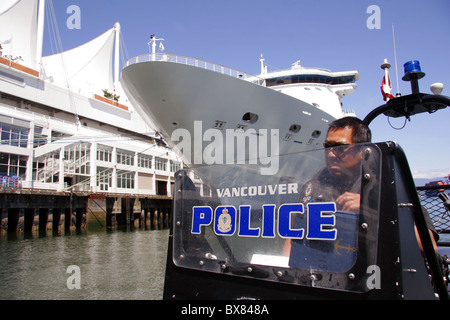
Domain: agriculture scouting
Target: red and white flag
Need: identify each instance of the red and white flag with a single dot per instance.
(386, 88)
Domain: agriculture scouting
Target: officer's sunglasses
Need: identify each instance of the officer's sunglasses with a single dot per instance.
(327, 144)
(335, 147)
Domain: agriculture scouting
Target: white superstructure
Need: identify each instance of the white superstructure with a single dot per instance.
(319, 87)
(65, 122)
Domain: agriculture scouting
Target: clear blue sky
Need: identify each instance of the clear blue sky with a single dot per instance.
(321, 33)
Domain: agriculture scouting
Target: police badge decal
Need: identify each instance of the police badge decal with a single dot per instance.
(224, 221)
(308, 192)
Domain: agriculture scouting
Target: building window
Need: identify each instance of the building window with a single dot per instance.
(13, 165)
(39, 138)
(174, 166)
(104, 153)
(104, 178)
(46, 168)
(160, 164)
(125, 157)
(125, 179)
(14, 136)
(145, 161)
(77, 159)
(58, 136)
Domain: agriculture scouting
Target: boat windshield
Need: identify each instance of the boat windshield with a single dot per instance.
(291, 227)
(309, 78)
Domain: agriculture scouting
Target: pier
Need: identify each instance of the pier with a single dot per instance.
(42, 212)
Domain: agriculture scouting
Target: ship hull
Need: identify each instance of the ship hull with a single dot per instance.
(176, 98)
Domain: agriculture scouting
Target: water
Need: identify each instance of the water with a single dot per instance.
(118, 265)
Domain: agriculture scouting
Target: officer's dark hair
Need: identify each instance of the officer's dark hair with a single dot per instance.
(361, 132)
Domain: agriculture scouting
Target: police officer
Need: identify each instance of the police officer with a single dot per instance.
(339, 182)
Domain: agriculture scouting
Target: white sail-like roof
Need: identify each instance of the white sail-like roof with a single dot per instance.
(87, 68)
(18, 30)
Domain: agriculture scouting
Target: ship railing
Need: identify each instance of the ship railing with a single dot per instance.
(168, 57)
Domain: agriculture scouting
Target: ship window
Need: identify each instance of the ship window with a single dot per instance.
(295, 128)
(271, 82)
(250, 117)
(219, 124)
(309, 78)
(316, 134)
(240, 128)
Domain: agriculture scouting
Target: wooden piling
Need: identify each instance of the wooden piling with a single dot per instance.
(46, 213)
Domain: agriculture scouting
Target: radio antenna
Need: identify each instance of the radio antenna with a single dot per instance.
(395, 56)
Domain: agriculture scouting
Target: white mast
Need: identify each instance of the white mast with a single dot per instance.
(152, 45)
(263, 68)
(40, 32)
(117, 54)
(395, 56)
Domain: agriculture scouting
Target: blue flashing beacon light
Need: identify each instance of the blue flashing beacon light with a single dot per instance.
(413, 73)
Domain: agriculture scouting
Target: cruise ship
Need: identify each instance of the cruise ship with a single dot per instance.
(66, 124)
(191, 100)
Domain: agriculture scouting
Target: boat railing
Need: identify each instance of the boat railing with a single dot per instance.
(168, 57)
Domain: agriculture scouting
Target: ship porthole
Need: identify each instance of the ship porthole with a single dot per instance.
(295, 128)
(316, 134)
(250, 117)
(175, 124)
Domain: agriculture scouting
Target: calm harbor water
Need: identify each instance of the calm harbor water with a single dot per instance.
(118, 265)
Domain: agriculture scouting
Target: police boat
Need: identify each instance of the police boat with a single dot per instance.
(239, 235)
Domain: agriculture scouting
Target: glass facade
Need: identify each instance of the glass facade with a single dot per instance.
(69, 165)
